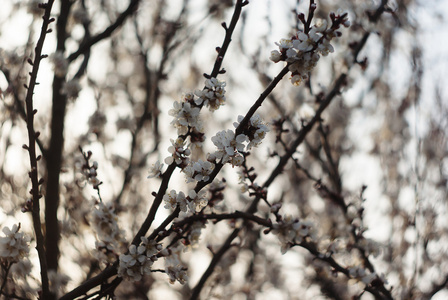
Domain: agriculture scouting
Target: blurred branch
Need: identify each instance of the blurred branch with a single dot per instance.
(85, 46)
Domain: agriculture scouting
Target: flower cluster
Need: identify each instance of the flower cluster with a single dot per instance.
(139, 260)
(194, 201)
(195, 233)
(179, 153)
(255, 130)
(134, 265)
(213, 94)
(110, 236)
(302, 51)
(198, 171)
(231, 147)
(185, 114)
(173, 265)
(292, 231)
(14, 245)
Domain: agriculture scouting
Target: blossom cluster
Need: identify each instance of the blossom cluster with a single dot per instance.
(14, 245)
(111, 237)
(291, 231)
(213, 94)
(179, 153)
(173, 265)
(139, 260)
(195, 201)
(303, 50)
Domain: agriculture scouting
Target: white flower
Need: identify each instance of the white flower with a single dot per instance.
(213, 94)
(155, 170)
(14, 245)
(302, 51)
(185, 116)
(195, 233)
(291, 231)
(228, 145)
(134, 265)
(275, 56)
(199, 171)
(179, 154)
(177, 273)
(197, 201)
(173, 199)
(284, 44)
(104, 222)
(149, 248)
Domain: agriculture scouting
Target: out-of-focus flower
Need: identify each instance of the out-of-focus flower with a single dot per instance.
(60, 64)
(14, 245)
(71, 88)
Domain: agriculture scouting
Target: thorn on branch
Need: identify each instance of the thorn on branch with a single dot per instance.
(42, 5)
(34, 111)
(206, 75)
(51, 20)
(218, 49)
(37, 134)
(43, 56)
(154, 194)
(41, 181)
(50, 30)
(222, 71)
(39, 157)
(246, 2)
(224, 25)
(24, 146)
(30, 61)
(25, 86)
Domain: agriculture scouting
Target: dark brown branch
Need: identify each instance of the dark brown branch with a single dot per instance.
(35, 190)
(55, 150)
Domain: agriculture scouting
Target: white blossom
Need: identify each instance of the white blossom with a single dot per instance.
(198, 171)
(185, 115)
(197, 201)
(302, 50)
(213, 94)
(134, 265)
(179, 153)
(292, 231)
(173, 199)
(14, 245)
(155, 170)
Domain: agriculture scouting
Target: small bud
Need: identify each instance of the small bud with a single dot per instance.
(224, 25)
(29, 61)
(25, 147)
(34, 111)
(37, 134)
(50, 30)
